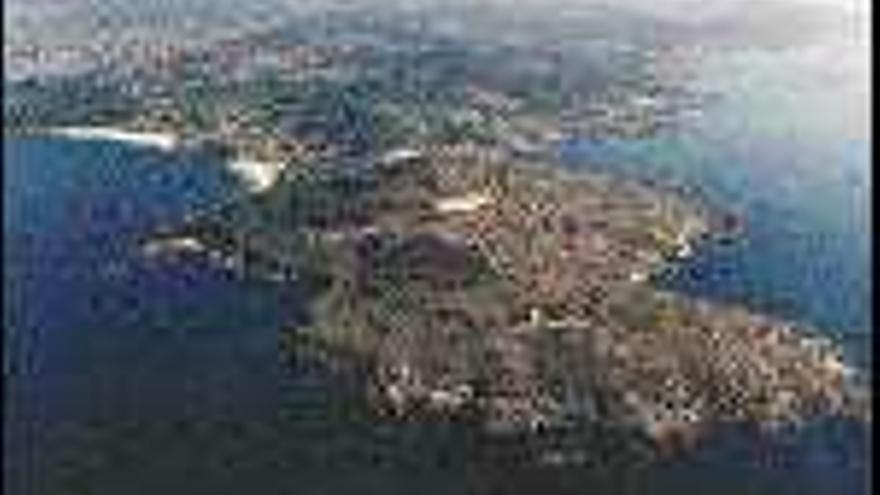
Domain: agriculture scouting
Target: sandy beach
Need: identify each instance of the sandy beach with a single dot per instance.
(162, 141)
(257, 176)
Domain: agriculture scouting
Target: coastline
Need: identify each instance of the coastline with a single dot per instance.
(758, 348)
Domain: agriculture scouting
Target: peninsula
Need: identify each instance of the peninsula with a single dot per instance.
(463, 282)
(446, 263)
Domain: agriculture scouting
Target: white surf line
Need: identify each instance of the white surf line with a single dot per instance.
(161, 141)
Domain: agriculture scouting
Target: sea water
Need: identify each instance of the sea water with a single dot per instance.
(111, 358)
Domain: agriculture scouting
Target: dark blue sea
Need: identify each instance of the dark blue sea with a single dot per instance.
(130, 376)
